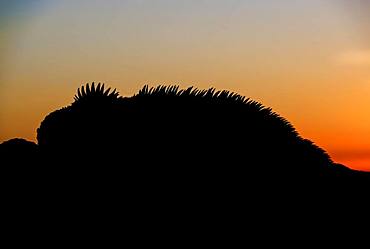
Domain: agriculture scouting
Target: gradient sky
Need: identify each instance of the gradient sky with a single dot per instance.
(308, 60)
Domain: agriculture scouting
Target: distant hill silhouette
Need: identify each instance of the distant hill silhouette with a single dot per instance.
(166, 134)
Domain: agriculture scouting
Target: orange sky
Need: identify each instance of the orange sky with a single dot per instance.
(308, 60)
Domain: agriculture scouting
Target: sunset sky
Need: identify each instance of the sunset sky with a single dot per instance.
(307, 59)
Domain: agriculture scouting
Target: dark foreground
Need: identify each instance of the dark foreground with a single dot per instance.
(166, 163)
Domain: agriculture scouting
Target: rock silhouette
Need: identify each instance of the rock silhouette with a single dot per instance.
(18, 151)
(166, 134)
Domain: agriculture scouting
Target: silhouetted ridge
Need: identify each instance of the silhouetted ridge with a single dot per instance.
(94, 94)
(193, 92)
(221, 97)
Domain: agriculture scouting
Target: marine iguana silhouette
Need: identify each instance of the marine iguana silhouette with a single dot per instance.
(171, 154)
(165, 130)
(168, 127)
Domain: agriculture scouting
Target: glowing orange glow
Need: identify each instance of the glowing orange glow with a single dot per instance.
(309, 61)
